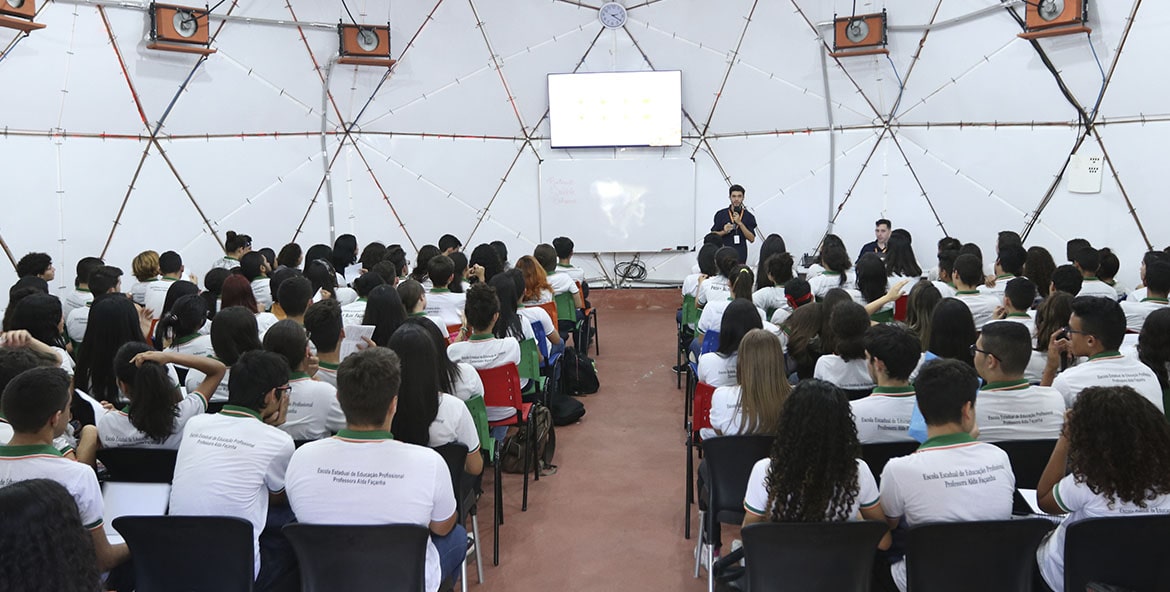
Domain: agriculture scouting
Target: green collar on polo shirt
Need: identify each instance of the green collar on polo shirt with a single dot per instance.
(259, 277)
(1019, 314)
(482, 336)
(186, 339)
(1092, 279)
(1004, 276)
(28, 450)
(328, 366)
(230, 258)
(169, 279)
(827, 272)
(565, 265)
(1109, 283)
(1155, 299)
(1105, 354)
(297, 375)
(897, 391)
(237, 411)
(965, 292)
(440, 290)
(126, 409)
(362, 299)
(421, 313)
(365, 435)
(1006, 385)
(947, 440)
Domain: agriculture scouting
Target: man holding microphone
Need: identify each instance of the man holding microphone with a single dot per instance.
(735, 224)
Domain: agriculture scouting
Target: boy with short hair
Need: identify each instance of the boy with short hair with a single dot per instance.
(254, 266)
(952, 477)
(1087, 261)
(36, 406)
(295, 294)
(1068, 279)
(364, 476)
(1008, 265)
(564, 248)
(324, 325)
(36, 265)
(946, 267)
(968, 276)
(449, 243)
(1018, 296)
(1157, 279)
(441, 301)
(313, 410)
(1010, 408)
(230, 463)
(481, 349)
(80, 295)
(171, 266)
(891, 354)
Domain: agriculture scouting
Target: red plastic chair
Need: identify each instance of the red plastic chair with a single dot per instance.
(701, 418)
(501, 388)
(453, 332)
(900, 307)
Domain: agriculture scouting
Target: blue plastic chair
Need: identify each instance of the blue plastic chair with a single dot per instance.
(710, 342)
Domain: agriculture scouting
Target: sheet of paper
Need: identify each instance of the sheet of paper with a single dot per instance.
(353, 341)
(1029, 496)
(132, 499)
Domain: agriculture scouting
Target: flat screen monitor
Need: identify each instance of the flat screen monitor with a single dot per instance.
(609, 109)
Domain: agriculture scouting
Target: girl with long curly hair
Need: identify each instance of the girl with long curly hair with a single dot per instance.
(814, 473)
(43, 543)
(1116, 445)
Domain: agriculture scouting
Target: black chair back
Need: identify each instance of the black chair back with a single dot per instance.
(179, 553)
(811, 557)
(991, 555)
(877, 455)
(455, 454)
(1029, 458)
(1128, 553)
(729, 464)
(138, 465)
(389, 557)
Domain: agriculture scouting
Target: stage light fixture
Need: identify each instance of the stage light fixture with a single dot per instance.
(19, 14)
(1050, 18)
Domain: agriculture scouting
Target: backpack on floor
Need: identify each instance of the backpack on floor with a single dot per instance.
(576, 374)
(565, 409)
(517, 445)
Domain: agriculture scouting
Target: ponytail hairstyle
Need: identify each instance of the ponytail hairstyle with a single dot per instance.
(835, 259)
(743, 282)
(726, 258)
(186, 317)
(152, 393)
(236, 242)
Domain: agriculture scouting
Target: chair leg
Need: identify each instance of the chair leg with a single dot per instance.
(699, 544)
(463, 574)
(527, 458)
(497, 510)
(596, 341)
(690, 495)
(711, 572)
(478, 554)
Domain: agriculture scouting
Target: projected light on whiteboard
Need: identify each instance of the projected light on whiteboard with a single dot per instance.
(615, 109)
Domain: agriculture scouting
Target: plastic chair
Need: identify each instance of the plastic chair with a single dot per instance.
(453, 332)
(1029, 458)
(811, 557)
(139, 465)
(551, 308)
(877, 455)
(189, 552)
(702, 419)
(529, 367)
(990, 555)
(1122, 552)
(501, 387)
(710, 342)
(455, 454)
(901, 307)
(388, 557)
(478, 411)
(729, 464)
(589, 320)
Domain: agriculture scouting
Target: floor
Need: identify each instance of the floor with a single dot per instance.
(612, 516)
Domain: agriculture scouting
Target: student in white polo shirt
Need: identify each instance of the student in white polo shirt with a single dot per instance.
(171, 266)
(80, 295)
(441, 301)
(1009, 407)
(426, 416)
(295, 295)
(564, 247)
(846, 366)
(1157, 288)
(155, 416)
(836, 273)
(481, 348)
(414, 300)
(232, 462)
(144, 268)
(1110, 462)
(36, 406)
(968, 276)
(104, 280)
(323, 324)
(313, 410)
(354, 312)
(561, 282)
(952, 477)
(254, 268)
(1009, 265)
(1018, 295)
(946, 270)
(891, 354)
(182, 331)
(1096, 330)
(1087, 260)
(341, 480)
(718, 368)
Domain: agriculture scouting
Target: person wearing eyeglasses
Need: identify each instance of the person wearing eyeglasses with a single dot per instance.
(1009, 407)
(1096, 330)
(232, 463)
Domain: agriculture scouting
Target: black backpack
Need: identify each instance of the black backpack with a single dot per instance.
(576, 374)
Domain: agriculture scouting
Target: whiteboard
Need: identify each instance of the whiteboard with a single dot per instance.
(610, 205)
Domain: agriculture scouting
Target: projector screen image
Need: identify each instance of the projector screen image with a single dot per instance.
(615, 109)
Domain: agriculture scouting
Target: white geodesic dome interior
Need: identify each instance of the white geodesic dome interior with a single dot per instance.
(110, 148)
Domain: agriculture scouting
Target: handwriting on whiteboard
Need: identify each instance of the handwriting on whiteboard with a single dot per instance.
(561, 190)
